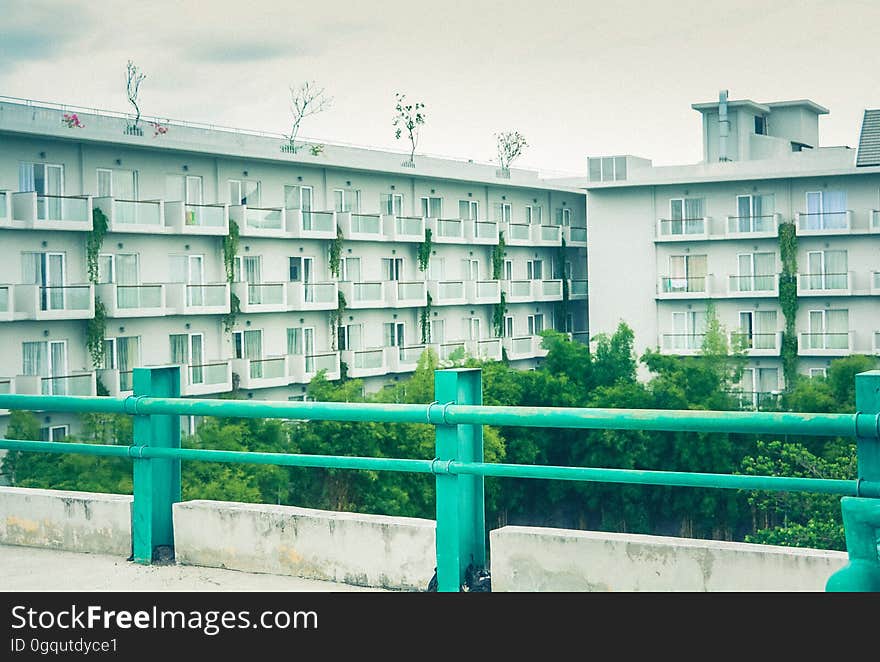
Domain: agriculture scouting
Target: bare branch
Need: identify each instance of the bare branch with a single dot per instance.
(133, 79)
(306, 100)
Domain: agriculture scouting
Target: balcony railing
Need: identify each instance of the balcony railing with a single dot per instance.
(447, 292)
(757, 400)
(273, 368)
(484, 231)
(207, 299)
(196, 219)
(754, 284)
(824, 282)
(824, 341)
(822, 222)
(326, 361)
(524, 347)
(127, 213)
(206, 378)
(133, 300)
(318, 295)
(451, 349)
(765, 224)
(687, 228)
(450, 228)
(518, 290)
(483, 291)
(681, 342)
(551, 290)
(64, 208)
(365, 362)
(7, 302)
(363, 295)
(683, 285)
(264, 218)
(574, 236)
(410, 355)
(488, 349)
(261, 296)
(757, 343)
(409, 227)
(518, 234)
(319, 222)
(54, 302)
(407, 293)
(5, 208)
(548, 234)
(366, 224)
(74, 384)
(578, 288)
(875, 283)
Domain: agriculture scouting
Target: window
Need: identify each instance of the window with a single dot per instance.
(301, 341)
(469, 209)
(431, 207)
(392, 268)
(119, 184)
(437, 268)
(471, 269)
(688, 329)
(247, 345)
(391, 203)
(501, 212)
(825, 210)
(351, 269)
(347, 200)
(47, 179)
(757, 329)
(754, 213)
(351, 337)
(535, 324)
(301, 269)
(123, 354)
(438, 331)
(606, 168)
(829, 329)
(827, 270)
(47, 359)
(54, 432)
(186, 189)
(756, 272)
(818, 372)
(393, 334)
(105, 268)
(685, 209)
(563, 216)
(535, 269)
(534, 214)
(49, 271)
(244, 192)
(760, 125)
(507, 331)
(507, 271)
(687, 273)
(472, 325)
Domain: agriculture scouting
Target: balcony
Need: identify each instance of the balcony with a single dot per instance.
(824, 223)
(210, 220)
(523, 347)
(76, 384)
(5, 209)
(683, 344)
(7, 386)
(261, 297)
(132, 300)
(261, 373)
(208, 299)
(483, 291)
(517, 234)
(485, 350)
(582, 337)
(875, 285)
(7, 303)
(447, 292)
(136, 216)
(363, 295)
(684, 287)
(454, 349)
(365, 362)
(689, 229)
(69, 302)
(578, 289)
(753, 286)
(312, 296)
(311, 224)
(447, 230)
(757, 344)
(548, 290)
(404, 228)
(302, 368)
(825, 343)
(206, 378)
(361, 227)
(824, 284)
(406, 294)
(404, 359)
(574, 237)
(753, 227)
(757, 400)
(30, 211)
(518, 291)
(546, 235)
(118, 383)
(259, 221)
(481, 232)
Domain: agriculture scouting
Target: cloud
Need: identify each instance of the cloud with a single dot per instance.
(39, 29)
(226, 51)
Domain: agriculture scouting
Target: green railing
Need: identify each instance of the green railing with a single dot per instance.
(458, 416)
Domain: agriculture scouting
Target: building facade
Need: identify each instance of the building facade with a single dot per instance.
(709, 234)
(407, 248)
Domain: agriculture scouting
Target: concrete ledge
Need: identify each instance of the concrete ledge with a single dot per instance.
(538, 559)
(364, 550)
(71, 521)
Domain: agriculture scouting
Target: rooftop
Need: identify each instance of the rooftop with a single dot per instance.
(869, 141)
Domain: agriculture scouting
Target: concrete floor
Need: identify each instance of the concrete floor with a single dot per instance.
(36, 569)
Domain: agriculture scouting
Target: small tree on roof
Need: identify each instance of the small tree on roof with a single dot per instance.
(510, 145)
(409, 118)
(133, 79)
(305, 100)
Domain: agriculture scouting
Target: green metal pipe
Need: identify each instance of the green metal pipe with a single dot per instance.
(670, 478)
(847, 425)
(63, 447)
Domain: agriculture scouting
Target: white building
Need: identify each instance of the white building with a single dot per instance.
(666, 241)
(170, 196)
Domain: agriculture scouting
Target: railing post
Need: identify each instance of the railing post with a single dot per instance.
(156, 481)
(861, 516)
(461, 526)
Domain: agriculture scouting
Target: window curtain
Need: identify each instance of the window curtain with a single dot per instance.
(294, 341)
(32, 268)
(438, 331)
(26, 177)
(765, 329)
(34, 359)
(744, 213)
(837, 328)
(57, 368)
(177, 268)
(354, 336)
(677, 274)
(746, 273)
(834, 209)
(127, 274)
(768, 380)
(835, 269)
(179, 348)
(814, 211)
(765, 271)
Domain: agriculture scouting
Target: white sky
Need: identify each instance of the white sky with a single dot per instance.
(576, 78)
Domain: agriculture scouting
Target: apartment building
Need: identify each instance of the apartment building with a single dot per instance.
(666, 242)
(171, 191)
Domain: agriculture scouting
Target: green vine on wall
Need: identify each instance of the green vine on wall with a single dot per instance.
(95, 329)
(230, 251)
(336, 316)
(94, 242)
(335, 260)
(500, 310)
(234, 310)
(562, 306)
(498, 257)
(424, 251)
(788, 301)
(425, 321)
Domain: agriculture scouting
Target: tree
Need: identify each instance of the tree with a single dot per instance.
(409, 118)
(510, 145)
(133, 79)
(305, 100)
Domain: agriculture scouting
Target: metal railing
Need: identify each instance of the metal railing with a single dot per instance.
(676, 284)
(680, 227)
(458, 466)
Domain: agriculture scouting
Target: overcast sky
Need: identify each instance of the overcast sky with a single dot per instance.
(576, 78)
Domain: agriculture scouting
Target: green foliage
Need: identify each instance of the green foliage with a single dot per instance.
(408, 117)
(229, 318)
(335, 258)
(499, 310)
(95, 332)
(94, 242)
(498, 257)
(424, 251)
(230, 250)
(788, 301)
(336, 317)
(425, 321)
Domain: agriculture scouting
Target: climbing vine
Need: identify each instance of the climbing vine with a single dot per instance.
(562, 306)
(94, 242)
(336, 316)
(424, 251)
(788, 301)
(95, 329)
(234, 310)
(498, 313)
(335, 258)
(230, 251)
(498, 257)
(425, 321)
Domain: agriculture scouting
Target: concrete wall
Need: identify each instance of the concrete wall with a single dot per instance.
(537, 559)
(365, 550)
(71, 521)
